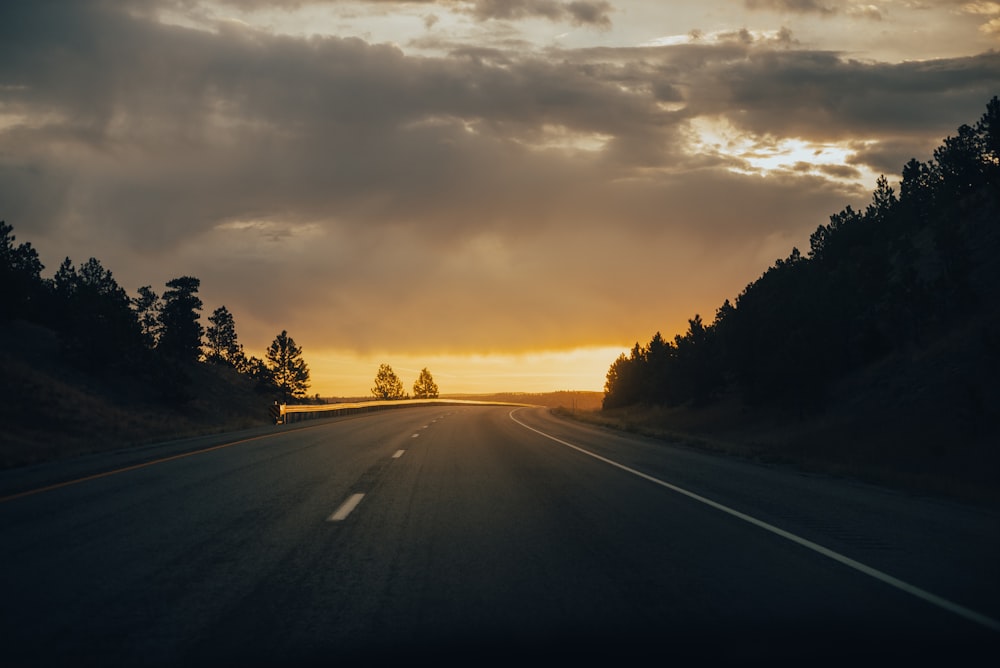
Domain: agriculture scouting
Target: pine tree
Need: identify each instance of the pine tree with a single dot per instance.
(148, 306)
(425, 387)
(20, 275)
(222, 346)
(387, 384)
(181, 334)
(289, 372)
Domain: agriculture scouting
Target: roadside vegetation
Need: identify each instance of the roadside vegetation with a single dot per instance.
(876, 353)
(86, 367)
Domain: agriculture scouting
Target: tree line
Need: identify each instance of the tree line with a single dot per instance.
(153, 336)
(104, 331)
(902, 272)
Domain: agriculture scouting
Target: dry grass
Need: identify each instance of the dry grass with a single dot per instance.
(925, 421)
(51, 411)
(923, 453)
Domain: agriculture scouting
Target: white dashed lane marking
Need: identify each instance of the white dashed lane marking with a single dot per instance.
(345, 508)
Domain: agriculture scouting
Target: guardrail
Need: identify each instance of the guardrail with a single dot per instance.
(285, 413)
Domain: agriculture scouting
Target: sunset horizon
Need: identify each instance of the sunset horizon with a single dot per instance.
(509, 194)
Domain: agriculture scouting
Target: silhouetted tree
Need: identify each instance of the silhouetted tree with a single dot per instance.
(624, 383)
(148, 306)
(988, 128)
(64, 281)
(256, 368)
(222, 346)
(387, 384)
(960, 161)
(20, 276)
(181, 333)
(94, 318)
(288, 370)
(425, 387)
(873, 282)
(656, 360)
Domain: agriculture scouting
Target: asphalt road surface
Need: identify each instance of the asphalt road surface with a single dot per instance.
(477, 535)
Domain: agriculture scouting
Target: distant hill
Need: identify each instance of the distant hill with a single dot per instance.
(568, 399)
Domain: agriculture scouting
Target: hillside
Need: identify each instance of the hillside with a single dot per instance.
(924, 422)
(51, 409)
(873, 354)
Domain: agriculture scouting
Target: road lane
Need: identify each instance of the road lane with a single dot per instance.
(946, 548)
(484, 540)
(160, 549)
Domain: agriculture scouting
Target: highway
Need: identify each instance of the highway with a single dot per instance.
(479, 535)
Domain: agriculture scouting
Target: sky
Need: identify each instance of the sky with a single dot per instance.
(509, 193)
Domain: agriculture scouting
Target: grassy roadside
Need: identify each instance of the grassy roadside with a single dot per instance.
(906, 455)
(52, 411)
(924, 420)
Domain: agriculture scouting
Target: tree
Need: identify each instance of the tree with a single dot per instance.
(256, 369)
(181, 334)
(989, 129)
(883, 201)
(64, 281)
(222, 346)
(148, 306)
(20, 274)
(387, 384)
(94, 317)
(625, 379)
(425, 387)
(289, 372)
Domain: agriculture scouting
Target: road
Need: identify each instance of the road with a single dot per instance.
(476, 535)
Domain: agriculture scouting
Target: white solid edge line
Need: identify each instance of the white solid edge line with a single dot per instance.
(345, 508)
(913, 590)
(398, 454)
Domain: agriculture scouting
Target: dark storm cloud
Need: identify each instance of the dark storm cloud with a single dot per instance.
(826, 7)
(322, 125)
(823, 8)
(822, 95)
(578, 12)
(329, 175)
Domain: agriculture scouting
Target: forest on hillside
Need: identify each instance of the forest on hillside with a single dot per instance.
(152, 339)
(903, 273)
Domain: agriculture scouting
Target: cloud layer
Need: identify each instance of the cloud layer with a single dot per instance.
(365, 195)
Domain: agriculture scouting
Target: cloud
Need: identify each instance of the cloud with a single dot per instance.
(489, 199)
(823, 7)
(578, 12)
(822, 95)
(990, 10)
(590, 13)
